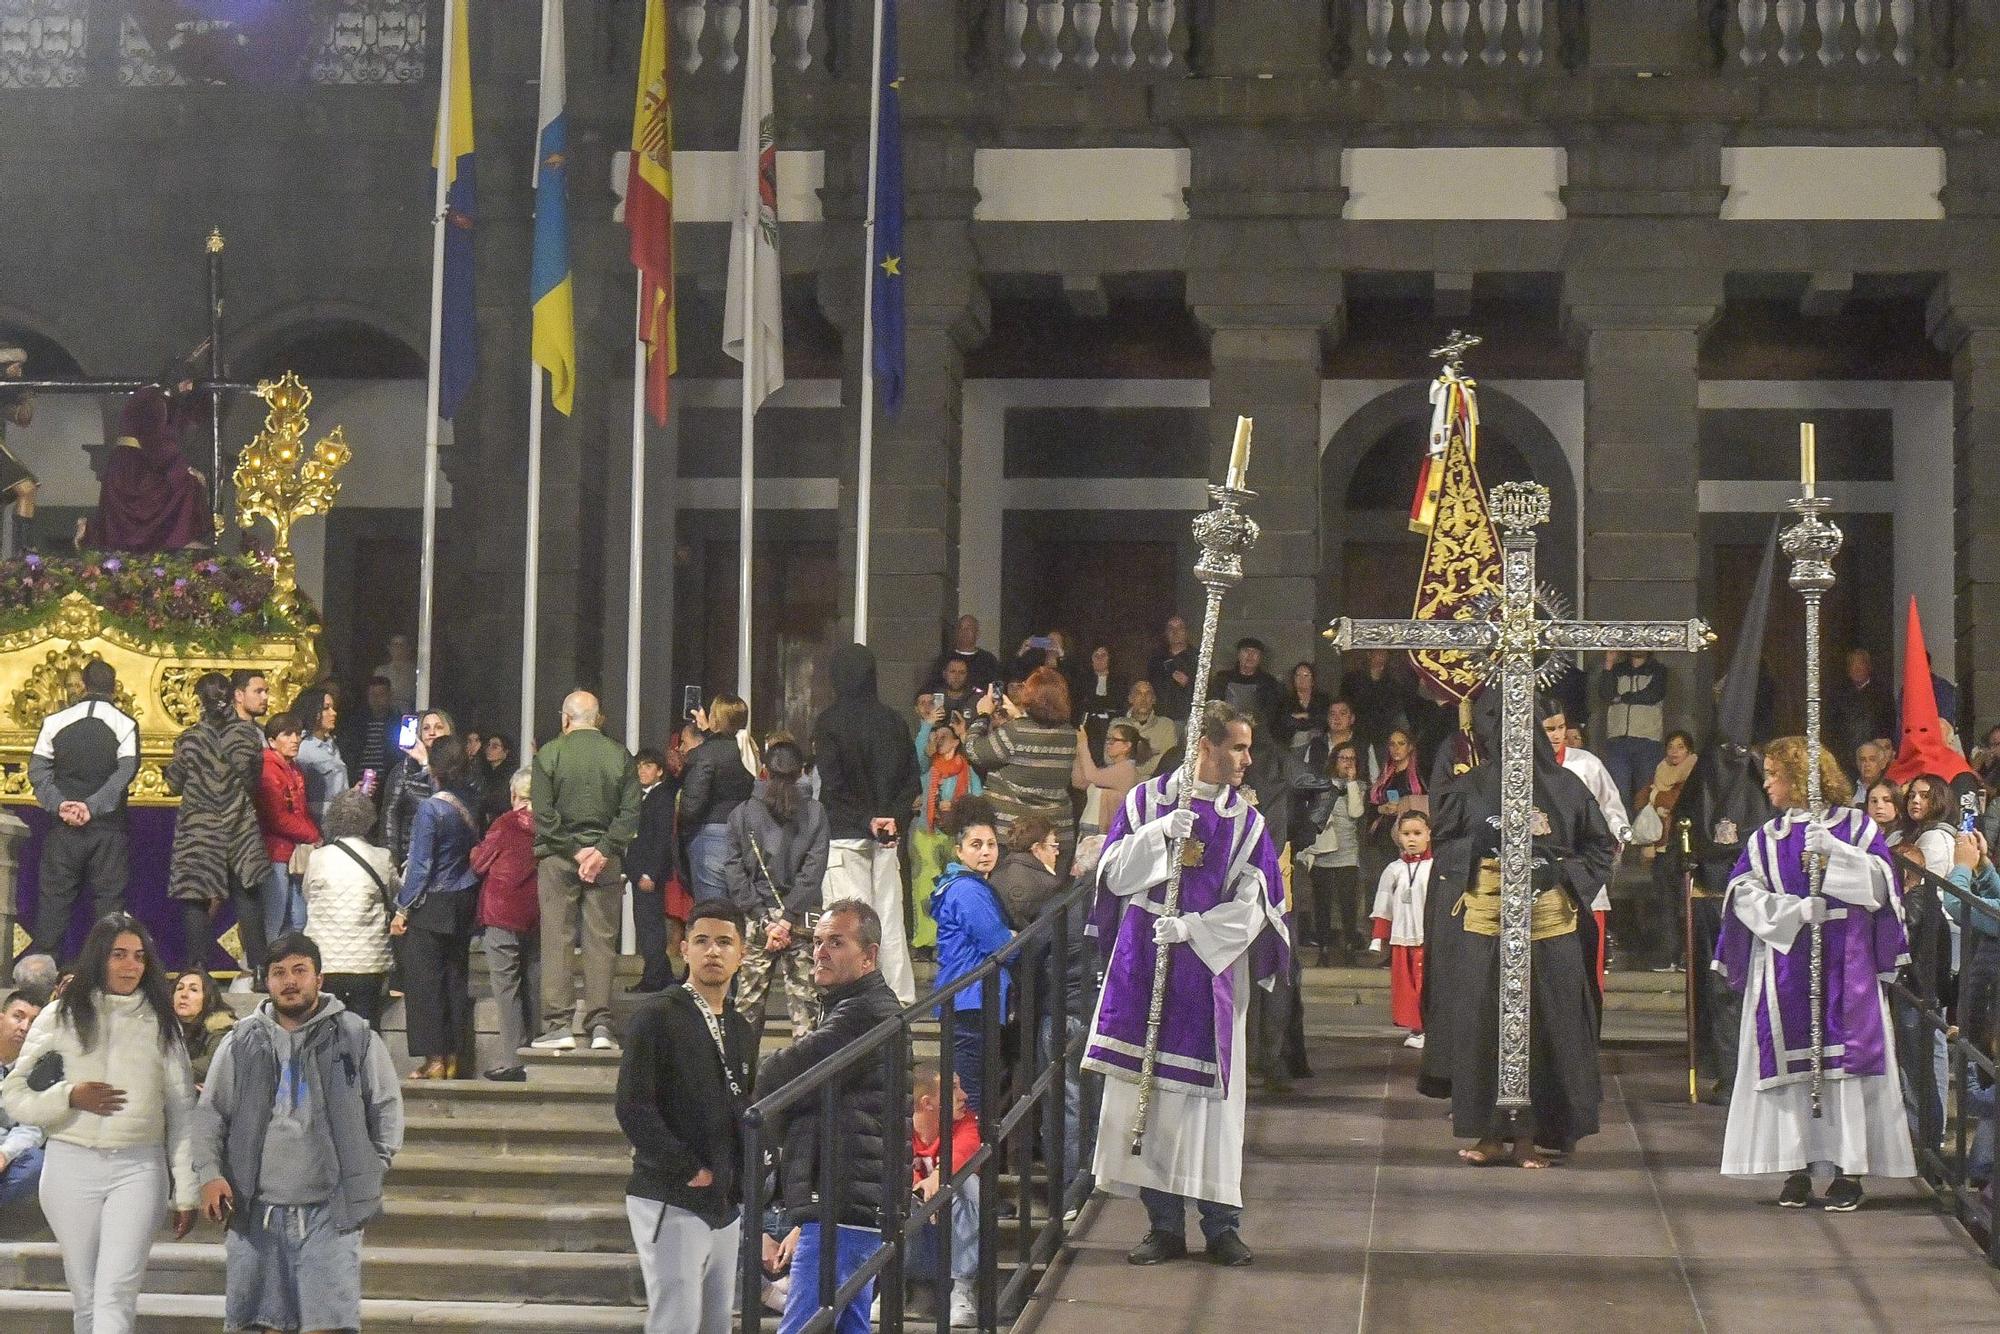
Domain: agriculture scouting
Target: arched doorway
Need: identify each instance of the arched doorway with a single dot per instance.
(1368, 474)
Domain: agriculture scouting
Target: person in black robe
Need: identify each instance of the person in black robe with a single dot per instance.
(1721, 806)
(1574, 852)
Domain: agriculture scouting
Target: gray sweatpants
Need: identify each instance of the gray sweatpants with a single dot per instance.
(514, 966)
(689, 1267)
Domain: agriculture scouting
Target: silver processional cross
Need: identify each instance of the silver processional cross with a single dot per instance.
(1509, 635)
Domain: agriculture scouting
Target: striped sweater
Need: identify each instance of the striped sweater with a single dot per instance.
(1026, 766)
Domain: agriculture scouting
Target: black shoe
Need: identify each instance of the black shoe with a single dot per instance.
(508, 1074)
(1844, 1195)
(1797, 1192)
(1229, 1251)
(1157, 1249)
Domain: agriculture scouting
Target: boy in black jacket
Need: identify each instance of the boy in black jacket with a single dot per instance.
(682, 1083)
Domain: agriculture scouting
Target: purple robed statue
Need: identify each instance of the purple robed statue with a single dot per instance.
(1765, 952)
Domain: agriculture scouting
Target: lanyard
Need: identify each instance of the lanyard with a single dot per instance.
(715, 1033)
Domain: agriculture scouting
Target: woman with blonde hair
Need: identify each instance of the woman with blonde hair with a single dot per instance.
(1853, 1123)
(718, 778)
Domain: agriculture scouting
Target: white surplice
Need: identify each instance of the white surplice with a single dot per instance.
(1862, 1128)
(1193, 1145)
(1597, 778)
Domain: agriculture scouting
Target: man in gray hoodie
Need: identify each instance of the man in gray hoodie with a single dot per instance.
(297, 1124)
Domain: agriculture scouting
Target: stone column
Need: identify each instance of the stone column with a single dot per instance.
(1965, 321)
(1641, 333)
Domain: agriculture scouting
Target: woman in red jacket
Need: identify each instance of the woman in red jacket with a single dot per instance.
(510, 912)
(289, 831)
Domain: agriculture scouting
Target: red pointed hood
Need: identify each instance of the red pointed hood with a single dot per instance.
(1923, 750)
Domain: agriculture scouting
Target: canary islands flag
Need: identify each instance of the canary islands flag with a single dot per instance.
(459, 351)
(553, 292)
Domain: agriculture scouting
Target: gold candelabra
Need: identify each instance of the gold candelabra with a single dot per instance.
(278, 480)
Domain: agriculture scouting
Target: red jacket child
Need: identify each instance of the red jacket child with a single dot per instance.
(281, 807)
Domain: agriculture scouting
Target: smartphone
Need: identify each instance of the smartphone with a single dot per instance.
(1392, 795)
(369, 778)
(937, 700)
(690, 700)
(1968, 814)
(1041, 642)
(406, 732)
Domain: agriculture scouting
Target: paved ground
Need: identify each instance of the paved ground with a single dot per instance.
(1362, 1219)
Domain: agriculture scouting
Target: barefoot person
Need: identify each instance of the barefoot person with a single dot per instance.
(1231, 933)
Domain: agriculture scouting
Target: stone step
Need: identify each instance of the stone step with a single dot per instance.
(548, 1094)
(479, 1137)
(28, 1312)
(451, 1174)
(393, 1273)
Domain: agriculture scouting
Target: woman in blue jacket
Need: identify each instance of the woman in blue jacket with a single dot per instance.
(971, 928)
(435, 911)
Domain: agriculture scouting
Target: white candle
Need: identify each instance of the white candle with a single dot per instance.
(1808, 460)
(1239, 455)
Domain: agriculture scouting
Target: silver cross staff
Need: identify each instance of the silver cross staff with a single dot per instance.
(1509, 638)
(1812, 543)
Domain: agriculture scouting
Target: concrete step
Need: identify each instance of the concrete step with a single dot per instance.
(549, 1093)
(544, 1178)
(480, 1137)
(394, 1273)
(27, 1312)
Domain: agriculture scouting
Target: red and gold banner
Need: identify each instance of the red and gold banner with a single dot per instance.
(1461, 574)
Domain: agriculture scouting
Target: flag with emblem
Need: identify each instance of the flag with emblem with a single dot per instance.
(753, 328)
(1461, 570)
(458, 348)
(649, 207)
(554, 336)
(886, 289)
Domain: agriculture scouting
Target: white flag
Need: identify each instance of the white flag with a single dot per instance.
(756, 223)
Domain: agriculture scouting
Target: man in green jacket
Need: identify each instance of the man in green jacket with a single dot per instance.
(585, 794)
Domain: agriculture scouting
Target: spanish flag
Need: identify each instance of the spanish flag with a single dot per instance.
(458, 357)
(649, 207)
(550, 285)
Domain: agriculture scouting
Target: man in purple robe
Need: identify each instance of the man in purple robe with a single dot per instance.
(1765, 952)
(1231, 933)
(149, 498)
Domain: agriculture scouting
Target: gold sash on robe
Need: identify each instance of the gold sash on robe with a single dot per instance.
(1554, 911)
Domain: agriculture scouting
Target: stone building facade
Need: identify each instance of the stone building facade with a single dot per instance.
(1682, 227)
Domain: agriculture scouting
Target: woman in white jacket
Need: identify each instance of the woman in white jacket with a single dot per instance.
(348, 883)
(104, 1074)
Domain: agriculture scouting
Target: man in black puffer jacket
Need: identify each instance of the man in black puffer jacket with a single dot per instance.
(854, 999)
(868, 783)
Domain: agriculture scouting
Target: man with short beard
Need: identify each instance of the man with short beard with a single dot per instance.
(293, 1136)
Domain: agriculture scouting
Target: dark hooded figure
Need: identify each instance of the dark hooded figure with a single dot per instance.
(1287, 794)
(1573, 855)
(868, 782)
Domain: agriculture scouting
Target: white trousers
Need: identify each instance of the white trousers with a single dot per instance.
(861, 868)
(689, 1267)
(104, 1205)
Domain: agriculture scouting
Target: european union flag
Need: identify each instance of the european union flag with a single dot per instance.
(886, 294)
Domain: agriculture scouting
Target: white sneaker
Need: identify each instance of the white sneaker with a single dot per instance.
(964, 1305)
(600, 1039)
(560, 1041)
(1415, 1041)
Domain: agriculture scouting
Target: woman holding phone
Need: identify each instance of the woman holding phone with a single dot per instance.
(410, 782)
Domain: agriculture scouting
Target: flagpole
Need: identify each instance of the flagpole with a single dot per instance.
(746, 500)
(434, 384)
(636, 555)
(531, 583)
(864, 518)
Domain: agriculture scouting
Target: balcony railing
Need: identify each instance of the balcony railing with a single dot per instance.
(42, 43)
(709, 36)
(1455, 34)
(1811, 35)
(1089, 37)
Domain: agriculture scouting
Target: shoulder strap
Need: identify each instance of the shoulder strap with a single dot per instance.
(362, 862)
(459, 806)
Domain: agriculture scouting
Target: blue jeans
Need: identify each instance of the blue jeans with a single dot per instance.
(1631, 760)
(284, 903)
(922, 1259)
(802, 1299)
(1167, 1212)
(24, 1174)
(707, 851)
(968, 1055)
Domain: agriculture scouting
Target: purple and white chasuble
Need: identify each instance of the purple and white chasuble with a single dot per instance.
(1234, 902)
(1765, 952)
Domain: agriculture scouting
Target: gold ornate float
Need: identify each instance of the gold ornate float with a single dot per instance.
(162, 621)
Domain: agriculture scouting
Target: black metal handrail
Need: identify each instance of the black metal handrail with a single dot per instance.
(1039, 956)
(1921, 1013)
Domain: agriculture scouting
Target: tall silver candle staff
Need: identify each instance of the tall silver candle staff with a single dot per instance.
(1224, 533)
(1812, 543)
